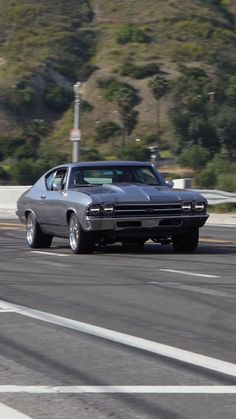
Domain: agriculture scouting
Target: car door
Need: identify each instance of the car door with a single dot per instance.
(53, 207)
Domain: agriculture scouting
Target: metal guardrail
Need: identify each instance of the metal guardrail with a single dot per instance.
(10, 194)
(215, 197)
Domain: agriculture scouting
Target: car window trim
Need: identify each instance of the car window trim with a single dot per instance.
(55, 172)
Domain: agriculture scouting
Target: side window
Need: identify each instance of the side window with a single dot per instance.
(146, 176)
(49, 180)
(56, 180)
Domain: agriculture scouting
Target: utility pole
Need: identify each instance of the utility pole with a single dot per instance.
(75, 134)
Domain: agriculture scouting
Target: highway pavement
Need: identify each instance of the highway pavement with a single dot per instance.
(145, 334)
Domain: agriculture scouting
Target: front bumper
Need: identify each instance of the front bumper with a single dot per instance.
(148, 223)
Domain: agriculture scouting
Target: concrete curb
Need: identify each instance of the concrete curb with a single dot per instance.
(222, 219)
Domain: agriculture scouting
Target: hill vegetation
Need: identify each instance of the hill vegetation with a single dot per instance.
(155, 74)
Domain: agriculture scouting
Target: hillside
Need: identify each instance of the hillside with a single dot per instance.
(194, 33)
(47, 46)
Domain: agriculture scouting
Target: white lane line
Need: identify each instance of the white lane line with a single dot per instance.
(48, 253)
(193, 288)
(189, 273)
(188, 357)
(118, 389)
(201, 290)
(9, 413)
(50, 263)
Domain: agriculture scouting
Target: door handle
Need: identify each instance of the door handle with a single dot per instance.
(43, 196)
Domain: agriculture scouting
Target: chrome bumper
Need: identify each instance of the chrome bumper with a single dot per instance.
(137, 223)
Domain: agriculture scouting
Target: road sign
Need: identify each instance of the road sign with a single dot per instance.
(75, 134)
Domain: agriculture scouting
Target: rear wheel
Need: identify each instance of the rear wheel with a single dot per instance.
(34, 235)
(186, 243)
(80, 241)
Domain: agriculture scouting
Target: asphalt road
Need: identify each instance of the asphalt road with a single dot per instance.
(164, 342)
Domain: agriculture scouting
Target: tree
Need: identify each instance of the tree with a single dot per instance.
(159, 87)
(130, 33)
(58, 98)
(34, 132)
(201, 130)
(195, 157)
(134, 151)
(226, 127)
(106, 130)
(126, 99)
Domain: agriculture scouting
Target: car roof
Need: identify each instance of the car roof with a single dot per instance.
(105, 163)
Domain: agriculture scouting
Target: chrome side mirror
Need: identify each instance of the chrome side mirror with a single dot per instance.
(170, 183)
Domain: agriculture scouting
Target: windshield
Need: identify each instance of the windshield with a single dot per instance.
(90, 176)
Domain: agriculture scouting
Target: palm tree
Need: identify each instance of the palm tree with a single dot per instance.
(34, 132)
(159, 87)
(126, 99)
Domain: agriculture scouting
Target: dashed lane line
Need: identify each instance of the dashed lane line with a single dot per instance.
(216, 241)
(202, 361)
(49, 253)
(193, 288)
(116, 389)
(189, 273)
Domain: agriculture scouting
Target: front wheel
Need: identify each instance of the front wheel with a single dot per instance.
(80, 241)
(186, 243)
(34, 235)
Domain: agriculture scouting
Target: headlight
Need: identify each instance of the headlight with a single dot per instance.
(199, 206)
(94, 209)
(186, 206)
(108, 208)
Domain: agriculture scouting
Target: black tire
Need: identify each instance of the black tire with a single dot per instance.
(186, 243)
(34, 235)
(80, 241)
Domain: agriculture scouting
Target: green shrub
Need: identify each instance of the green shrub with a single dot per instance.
(3, 174)
(195, 157)
(130, 33)
(219, 173)
(8, 146)
(114, 90)
(207, 178)
(18, 98)
(194, 28)
(24, 152)
(227, 182)
(139, 72)
(106, 130)
(26, 171)
(187, 51)
(134, 151)
(58, 98)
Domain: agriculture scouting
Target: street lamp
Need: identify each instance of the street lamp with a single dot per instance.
(211, 98)
(75, 133)
(154, 157)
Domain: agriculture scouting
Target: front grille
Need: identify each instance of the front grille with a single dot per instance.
(148, 210)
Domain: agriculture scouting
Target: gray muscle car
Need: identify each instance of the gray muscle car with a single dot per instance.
(106, 202)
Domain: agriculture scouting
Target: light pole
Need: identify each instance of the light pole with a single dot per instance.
(211, 98)
(75, 133)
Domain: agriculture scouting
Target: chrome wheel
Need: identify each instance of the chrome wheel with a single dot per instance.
(34, 235)
(74, 233)
(30, 229)
(80, 241)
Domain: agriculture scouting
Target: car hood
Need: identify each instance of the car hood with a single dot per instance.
(139, 193)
